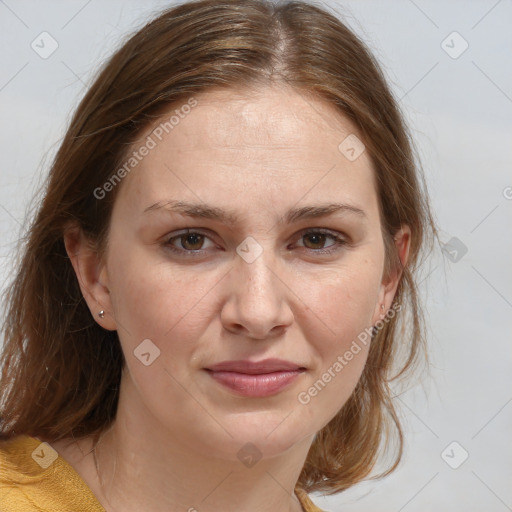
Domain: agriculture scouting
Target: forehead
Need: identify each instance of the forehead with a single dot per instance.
(266, 144)
(259, 118)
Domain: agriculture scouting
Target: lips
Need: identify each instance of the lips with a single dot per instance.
(255, 379)
(255, 368)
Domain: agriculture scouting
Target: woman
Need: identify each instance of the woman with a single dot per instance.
(207, 312)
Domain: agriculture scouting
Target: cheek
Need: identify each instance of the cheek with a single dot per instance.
(343, 303)
(154, 301)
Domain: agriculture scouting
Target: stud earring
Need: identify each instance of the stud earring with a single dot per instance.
(101, 314)
(382, 306)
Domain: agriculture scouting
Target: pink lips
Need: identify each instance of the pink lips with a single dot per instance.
(253, 379)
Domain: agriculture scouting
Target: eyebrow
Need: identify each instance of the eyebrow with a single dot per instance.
(205, 211)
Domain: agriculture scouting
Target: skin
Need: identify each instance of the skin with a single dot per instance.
(258, 153)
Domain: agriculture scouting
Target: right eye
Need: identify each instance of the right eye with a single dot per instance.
(191, 242)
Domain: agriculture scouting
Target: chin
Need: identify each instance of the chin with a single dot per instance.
(268, 434)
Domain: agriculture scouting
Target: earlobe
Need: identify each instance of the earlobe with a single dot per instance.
(91, 274)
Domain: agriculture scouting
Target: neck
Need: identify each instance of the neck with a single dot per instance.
(140, 466)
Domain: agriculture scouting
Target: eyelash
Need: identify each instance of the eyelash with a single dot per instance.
(339, 242)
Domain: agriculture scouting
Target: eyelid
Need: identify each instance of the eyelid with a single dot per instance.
(337, 235)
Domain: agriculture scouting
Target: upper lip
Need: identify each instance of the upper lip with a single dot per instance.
(255, 368)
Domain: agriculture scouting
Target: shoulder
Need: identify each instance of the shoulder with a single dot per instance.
(32, 474)
(19, 471)
(19, 462)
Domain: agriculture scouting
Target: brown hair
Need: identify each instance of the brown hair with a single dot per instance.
(60, 370)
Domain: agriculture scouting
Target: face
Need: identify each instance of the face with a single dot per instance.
(264, 268)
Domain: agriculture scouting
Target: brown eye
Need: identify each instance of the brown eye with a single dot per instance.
(316, 239)
(192, 241)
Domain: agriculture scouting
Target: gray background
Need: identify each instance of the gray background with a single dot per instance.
(459, 106)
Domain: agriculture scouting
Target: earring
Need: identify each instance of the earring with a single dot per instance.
(101, 314)
(382, 306)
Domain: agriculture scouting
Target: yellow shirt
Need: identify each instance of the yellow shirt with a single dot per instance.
(33, 477)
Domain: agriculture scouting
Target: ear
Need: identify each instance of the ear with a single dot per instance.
(91, 273)
(388, 287)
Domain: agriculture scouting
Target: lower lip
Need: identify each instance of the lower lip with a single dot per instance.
(260, 385)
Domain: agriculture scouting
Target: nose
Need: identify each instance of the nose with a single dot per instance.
(258, 304)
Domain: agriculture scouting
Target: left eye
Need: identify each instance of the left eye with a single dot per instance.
(319, 237)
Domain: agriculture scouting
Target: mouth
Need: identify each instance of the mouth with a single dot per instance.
(255, 379)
